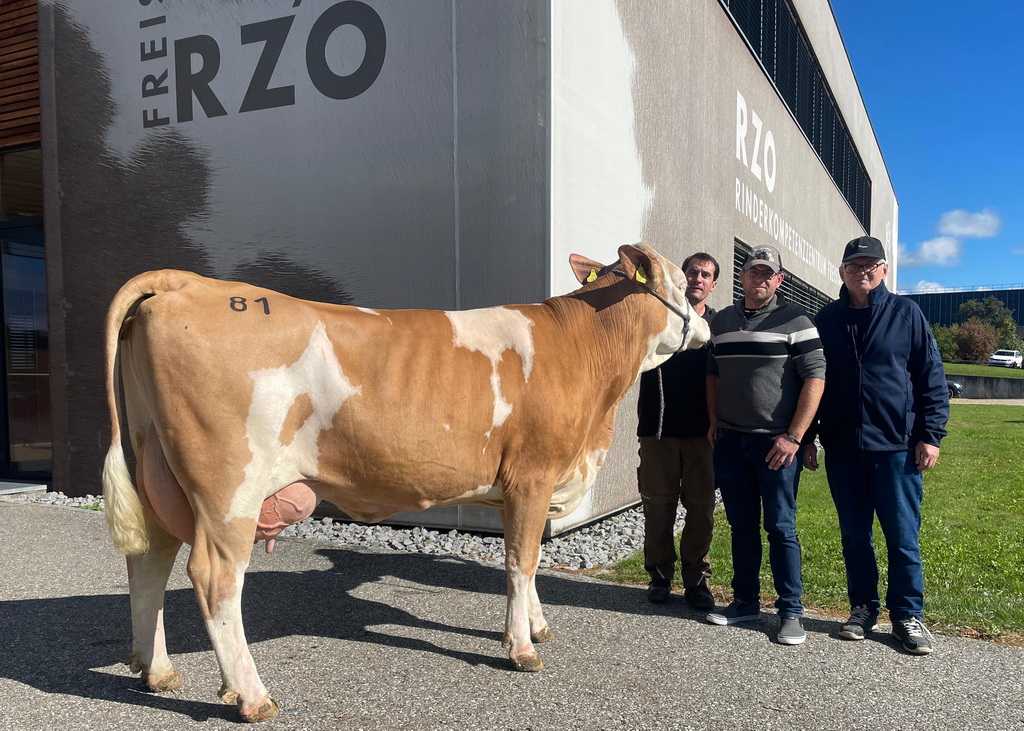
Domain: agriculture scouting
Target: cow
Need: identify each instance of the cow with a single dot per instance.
(245, 407)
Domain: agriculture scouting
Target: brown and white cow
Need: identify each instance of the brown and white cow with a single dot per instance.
(246, 407)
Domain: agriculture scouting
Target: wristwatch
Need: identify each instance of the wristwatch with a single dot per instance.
(792, 438)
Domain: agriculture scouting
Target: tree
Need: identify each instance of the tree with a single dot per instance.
(946, 339)
(976, 340)
(993, 312)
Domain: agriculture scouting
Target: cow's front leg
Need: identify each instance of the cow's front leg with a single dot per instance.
(524, 620)
(217, 569)
(539, 630)
(147, 583)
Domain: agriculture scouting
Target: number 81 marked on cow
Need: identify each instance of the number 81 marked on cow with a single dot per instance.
(329, 402)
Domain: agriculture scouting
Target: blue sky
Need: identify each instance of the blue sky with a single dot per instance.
(943, 83)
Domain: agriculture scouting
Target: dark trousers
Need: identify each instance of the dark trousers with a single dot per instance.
(673, 471)
(886, 484)
(747, 486)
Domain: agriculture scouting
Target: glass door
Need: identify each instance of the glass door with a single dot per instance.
(26, 442)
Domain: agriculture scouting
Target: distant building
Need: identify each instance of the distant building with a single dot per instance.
(941, 306)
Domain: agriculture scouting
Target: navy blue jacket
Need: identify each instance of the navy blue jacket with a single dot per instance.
(893, 394)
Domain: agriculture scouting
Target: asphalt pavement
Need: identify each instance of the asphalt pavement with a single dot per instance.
(348, 639)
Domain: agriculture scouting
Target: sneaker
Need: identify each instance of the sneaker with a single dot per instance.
(862, 620)
(735, 613)
(791, 631)
(699, 597)
(658, 590)
(916, 638)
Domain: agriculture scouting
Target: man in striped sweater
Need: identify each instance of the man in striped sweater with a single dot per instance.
(766, 373)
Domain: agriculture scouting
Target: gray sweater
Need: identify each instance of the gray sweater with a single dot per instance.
(761, 364)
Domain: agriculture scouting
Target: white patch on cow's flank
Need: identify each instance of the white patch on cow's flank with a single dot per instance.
(317, 374)
(368, 311)
(492, 331)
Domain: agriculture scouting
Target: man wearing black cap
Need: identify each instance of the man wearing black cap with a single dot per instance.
(881, 419)
(765, 373)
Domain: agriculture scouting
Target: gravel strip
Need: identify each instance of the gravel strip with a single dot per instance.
(606, 541)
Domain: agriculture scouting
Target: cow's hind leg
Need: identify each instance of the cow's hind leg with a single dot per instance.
(217, 567)
(147, 582)
(524, 620)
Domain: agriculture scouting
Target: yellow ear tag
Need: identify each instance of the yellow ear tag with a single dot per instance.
(641, 275)
(593, 275)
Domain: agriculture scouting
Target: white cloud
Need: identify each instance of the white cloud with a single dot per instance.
(926, 286)
(942, 252)
(962, 224)
(1018, 251)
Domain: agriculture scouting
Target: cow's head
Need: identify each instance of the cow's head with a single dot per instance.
(665, 284)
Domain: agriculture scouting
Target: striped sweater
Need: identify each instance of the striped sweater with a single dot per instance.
(761, 363)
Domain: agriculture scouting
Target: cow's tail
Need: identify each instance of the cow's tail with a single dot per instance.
(123, 508)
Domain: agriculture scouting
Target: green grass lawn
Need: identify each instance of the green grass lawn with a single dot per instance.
(974, 369)
(972, 539)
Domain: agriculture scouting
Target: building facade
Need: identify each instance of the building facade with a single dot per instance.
(443, 154)
(942, 306)
(26, 437)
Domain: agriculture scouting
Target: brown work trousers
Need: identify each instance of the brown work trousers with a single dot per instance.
(673, 471)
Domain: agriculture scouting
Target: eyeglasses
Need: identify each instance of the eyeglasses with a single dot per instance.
(762, 273)
(851, 268)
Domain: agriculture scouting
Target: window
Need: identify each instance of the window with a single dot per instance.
(778, 40)
(26, 447)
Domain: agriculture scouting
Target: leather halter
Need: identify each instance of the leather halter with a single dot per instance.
(670, 305)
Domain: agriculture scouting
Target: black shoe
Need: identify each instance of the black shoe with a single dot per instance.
(862, 621)
(916, 638)
(658, 590)
(699, 597)
(735, 613)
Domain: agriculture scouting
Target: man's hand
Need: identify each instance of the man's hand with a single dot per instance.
(711, 436)
(811, 457)
(782, 454)
(926, 455)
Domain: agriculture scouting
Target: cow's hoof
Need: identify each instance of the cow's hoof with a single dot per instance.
(264, 712)
(227, 695)
(171, 680)
(530, 663)
(542, 635)
(134, 664)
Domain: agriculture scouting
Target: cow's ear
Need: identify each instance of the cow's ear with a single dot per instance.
(584, 268)
(639, 265)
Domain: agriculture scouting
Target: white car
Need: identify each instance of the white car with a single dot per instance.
(1006, 359)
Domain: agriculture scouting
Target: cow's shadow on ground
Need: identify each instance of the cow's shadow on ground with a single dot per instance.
(55, 644)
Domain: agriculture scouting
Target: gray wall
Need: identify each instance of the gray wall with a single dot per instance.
(427, 189)
(497, 138)
(645, 104)
(990, 387)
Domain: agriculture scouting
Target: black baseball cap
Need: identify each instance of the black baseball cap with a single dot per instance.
(867, 247)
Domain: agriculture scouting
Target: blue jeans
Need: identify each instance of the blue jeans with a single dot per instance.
(886, 484)
(747, 485)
